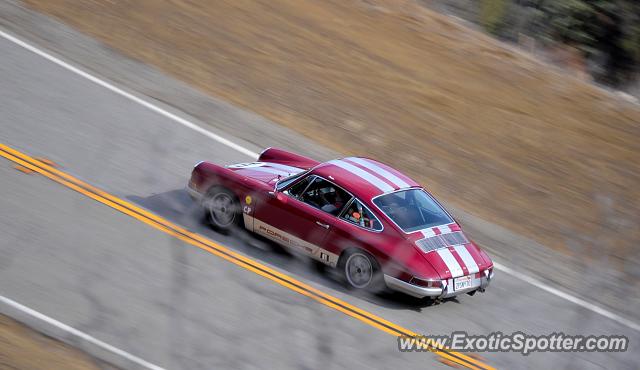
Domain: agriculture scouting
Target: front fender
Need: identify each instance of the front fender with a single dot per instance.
(206, 175)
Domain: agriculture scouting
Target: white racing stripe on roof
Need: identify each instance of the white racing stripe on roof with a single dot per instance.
(468, 260)
(380, 171)
(373, 180)
(451, 262)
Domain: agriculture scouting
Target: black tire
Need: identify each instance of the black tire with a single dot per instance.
(222, 209)
(360, 270)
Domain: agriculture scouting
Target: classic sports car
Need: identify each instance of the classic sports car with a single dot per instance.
(378, 227)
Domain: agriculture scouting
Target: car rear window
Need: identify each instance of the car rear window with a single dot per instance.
(412, 209)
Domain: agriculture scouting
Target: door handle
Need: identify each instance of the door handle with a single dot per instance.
(326, 226)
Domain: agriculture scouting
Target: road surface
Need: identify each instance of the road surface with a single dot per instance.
(175, 305)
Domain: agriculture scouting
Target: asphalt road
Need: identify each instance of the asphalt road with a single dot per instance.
(177, 306)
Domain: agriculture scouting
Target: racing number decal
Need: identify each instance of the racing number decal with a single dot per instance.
(246, 165)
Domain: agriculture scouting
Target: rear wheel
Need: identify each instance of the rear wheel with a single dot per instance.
(360, 270)
(222, 209)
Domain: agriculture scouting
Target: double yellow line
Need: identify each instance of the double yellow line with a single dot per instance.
(227, 254)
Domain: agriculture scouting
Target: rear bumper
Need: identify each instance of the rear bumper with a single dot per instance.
(410, 289)
(442, 292)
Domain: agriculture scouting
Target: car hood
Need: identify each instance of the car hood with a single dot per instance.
(266, 172)
(449, 252)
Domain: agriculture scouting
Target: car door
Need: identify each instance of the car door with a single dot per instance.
(301, 215)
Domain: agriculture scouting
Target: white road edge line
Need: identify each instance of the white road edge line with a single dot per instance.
(243, 150)
(580, 302)
(130, 96)
(78, 334)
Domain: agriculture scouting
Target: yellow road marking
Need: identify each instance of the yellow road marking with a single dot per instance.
(449, 363)
(210, 246)
(46, 161)
(23, 169)
(29, 171)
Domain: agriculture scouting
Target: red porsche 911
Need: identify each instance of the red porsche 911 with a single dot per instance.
(378, 227)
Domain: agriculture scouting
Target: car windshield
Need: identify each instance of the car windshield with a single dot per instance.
(283, 183)
(412, 210)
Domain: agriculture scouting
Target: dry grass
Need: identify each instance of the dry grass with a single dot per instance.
(485, 128)
(23, 349)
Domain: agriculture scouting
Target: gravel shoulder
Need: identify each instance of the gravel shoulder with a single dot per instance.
(25, 349)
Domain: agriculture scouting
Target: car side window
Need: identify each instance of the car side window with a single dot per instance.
(325, 196)
(297, 188)
(360, 215)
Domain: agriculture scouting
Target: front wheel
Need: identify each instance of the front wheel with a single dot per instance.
(360, 270)
(222, 209)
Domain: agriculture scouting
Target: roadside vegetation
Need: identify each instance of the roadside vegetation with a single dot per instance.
(598, 37)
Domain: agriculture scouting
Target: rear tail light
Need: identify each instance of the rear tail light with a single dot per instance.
(488, 273)
(426, 283)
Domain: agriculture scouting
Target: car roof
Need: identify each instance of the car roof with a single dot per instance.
(365, 178)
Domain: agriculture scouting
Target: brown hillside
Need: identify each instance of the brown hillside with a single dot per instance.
(487, 129)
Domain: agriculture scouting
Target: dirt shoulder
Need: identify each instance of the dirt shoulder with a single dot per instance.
(489, 130)
(24, 349)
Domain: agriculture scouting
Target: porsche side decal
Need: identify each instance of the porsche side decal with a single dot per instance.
(285, 239)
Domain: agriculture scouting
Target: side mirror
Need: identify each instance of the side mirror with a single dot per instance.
(272, 194)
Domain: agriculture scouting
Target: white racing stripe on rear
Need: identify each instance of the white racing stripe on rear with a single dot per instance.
(445, 229)
(451, 262)
(373, 180)
(380, 171)
(467, 258)
(428, 233)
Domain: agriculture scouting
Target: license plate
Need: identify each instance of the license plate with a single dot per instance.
(462, 283)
